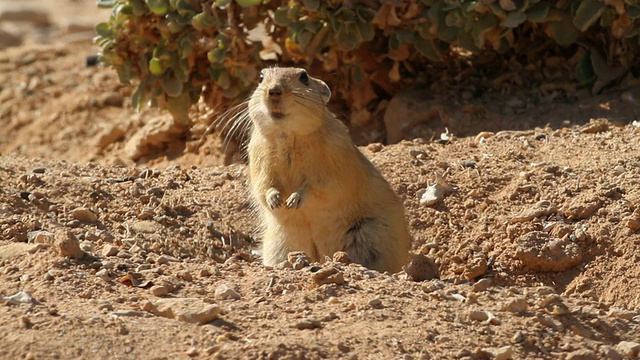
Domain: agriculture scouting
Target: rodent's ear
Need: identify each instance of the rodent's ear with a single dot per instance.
(326, 93)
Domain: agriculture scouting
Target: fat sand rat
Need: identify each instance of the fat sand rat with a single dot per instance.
(313, 189)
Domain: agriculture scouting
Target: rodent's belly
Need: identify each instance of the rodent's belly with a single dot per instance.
(322, 226)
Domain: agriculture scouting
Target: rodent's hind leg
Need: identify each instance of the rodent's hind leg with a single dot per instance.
(359, 243)
(273, 197)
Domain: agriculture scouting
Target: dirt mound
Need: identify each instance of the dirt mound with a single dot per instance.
(185, 233)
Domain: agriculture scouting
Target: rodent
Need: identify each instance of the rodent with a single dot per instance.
(313, 189)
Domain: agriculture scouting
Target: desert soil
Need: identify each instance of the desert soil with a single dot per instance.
(117, 245)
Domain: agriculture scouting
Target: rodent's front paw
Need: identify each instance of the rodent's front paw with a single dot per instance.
(293, 201)
(274, 199)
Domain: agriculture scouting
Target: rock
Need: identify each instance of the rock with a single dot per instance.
(159, 290)
(204, 273)
(475, 268)
(67, 245)
(539, 251)
(84, 215)
(375, 147)
(103, 274)
(225, 291)
(341, 257)
(123, 254)
(145, 227)
(517, 337)
(481, 285)
(422, 268)
(308, 324)
(24, 14)
(298, 259)
(582, 354)
(8, 39)
(190, 310)
(518, 305)
(328, 275)
(503, 353)
(632, 222)
(21, 297)
(86, 246)
(540, 209)
(185, 275)
(435, 193)
(164, 259)
(375, 303)
(110, 250)
(192, 352)
(628, 348)
(406, 110)
(478, 315)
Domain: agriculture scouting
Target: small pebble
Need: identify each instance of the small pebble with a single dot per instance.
(103, 274)
(84, 215)
(628, 348)
(192, 352)
(418, 154)
(517, 337)
(478, 315)
(341, 257)
(224, 292)
(308, 324)
(163, 259)
(375, 147)
(123, 254)
(518, 305)
(86, 246)
(469, 164)
(68, 246)
(422, 268)
(110, 265)
(159, 290)
(204, 273)
(185, 275)
(155, 191)
(298, 259)
(481, 285)
(328, 275)
(375, 303)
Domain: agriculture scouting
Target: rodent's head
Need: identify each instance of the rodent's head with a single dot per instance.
(288, 99)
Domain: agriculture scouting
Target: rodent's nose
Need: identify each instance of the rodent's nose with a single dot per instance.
(275, 91)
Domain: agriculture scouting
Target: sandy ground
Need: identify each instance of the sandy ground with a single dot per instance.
(116, 246)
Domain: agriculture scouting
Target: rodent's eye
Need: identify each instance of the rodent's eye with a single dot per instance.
(304, 78)
(260, 77)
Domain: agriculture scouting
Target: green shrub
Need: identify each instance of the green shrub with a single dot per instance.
(180, 50)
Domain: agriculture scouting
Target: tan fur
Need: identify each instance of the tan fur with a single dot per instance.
(314, 191)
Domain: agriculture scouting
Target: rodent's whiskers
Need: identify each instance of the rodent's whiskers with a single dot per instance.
(233, 123)
(310, 100)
